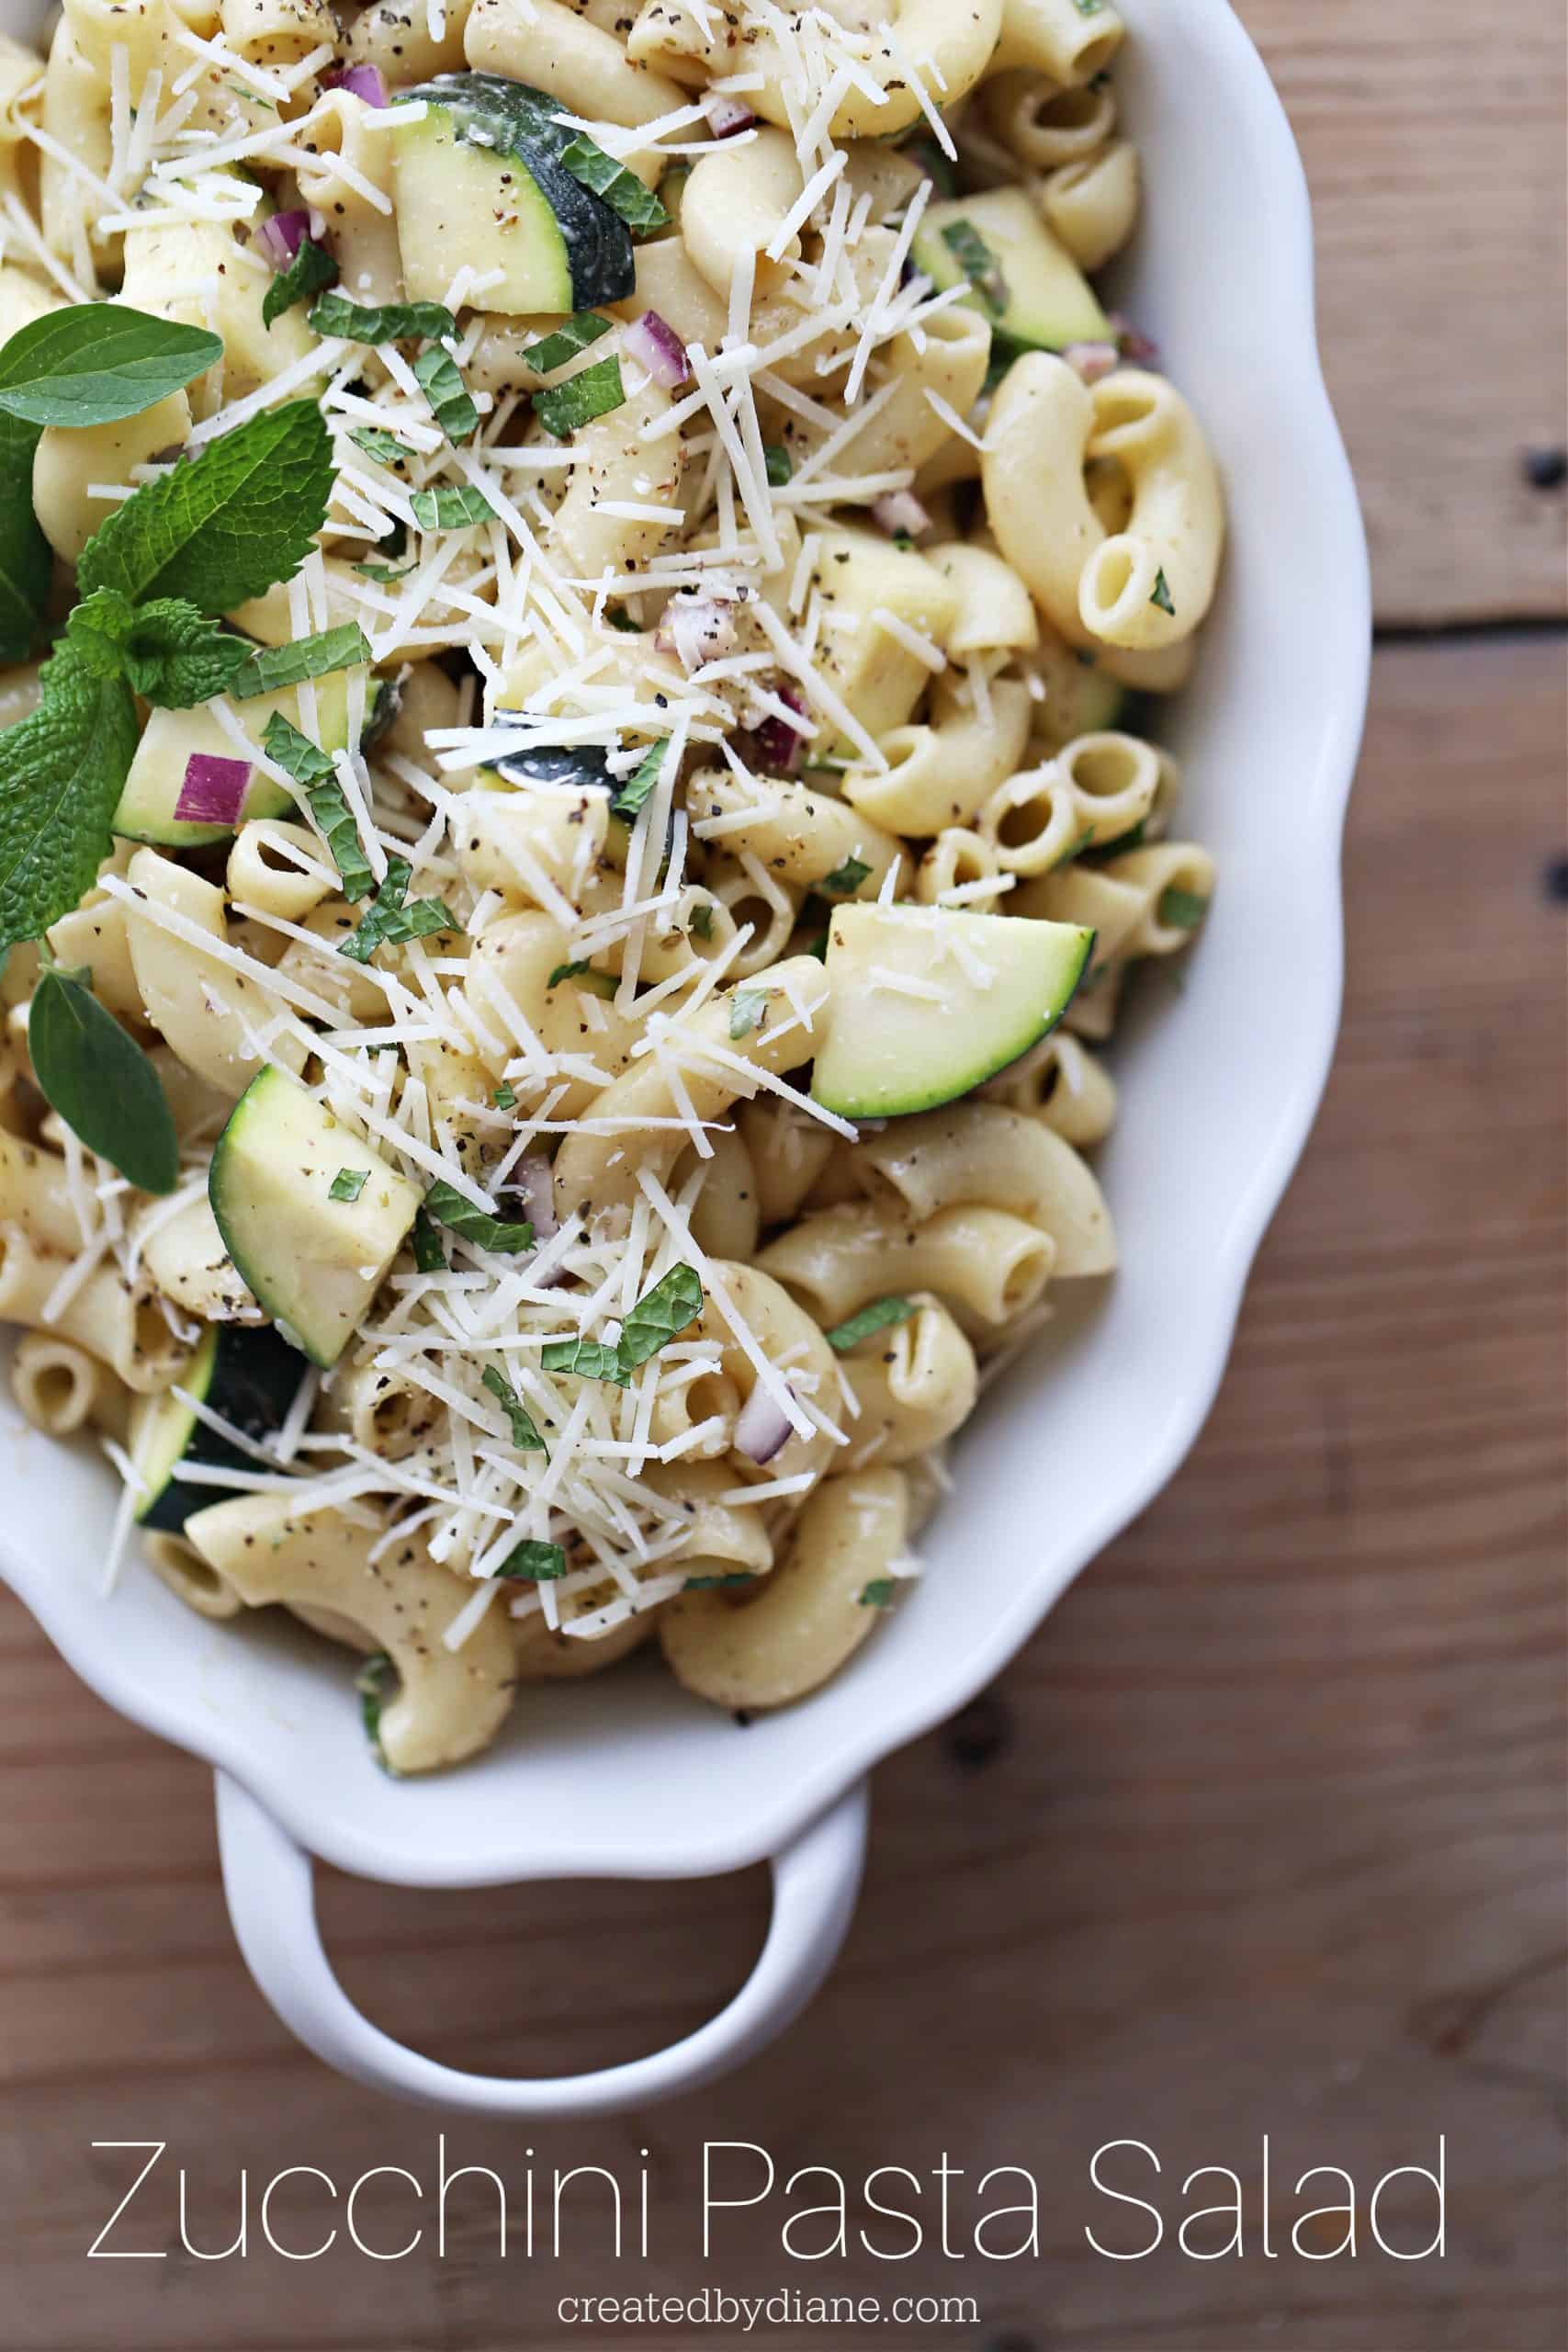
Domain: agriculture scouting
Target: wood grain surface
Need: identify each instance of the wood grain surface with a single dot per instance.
(1263, 1832)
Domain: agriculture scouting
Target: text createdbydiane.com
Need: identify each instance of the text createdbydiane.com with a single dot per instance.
(1128, 2204)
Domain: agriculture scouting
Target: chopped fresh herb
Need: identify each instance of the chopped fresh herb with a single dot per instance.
(1124, 842)
(391, 920)
(1003, 354)
(778, 463)
(95, 1076)
(747, 1007)
(504, 1098)
(567, 972)
(428, 1255)
(701, 920)
(1180, 909)
(524, 1436)
(716, 1584)
(348, 1183)
(933, 161)
(621, 190)
(661, 1315)
(978, 262)
(877, 1594)
(632, 790)
(311, 769)
(311, 269)
(371, 1684)
(1089, 8)
(572, 335)
(1075, 849)
(275, 666)
(531, 1562)
(593, 392)
(618, 618)
(453, 1209)
(875, 1317)
(437, 376)
(817, 947)
(589, 1359)
(381, 323)
(385, 448)
(845, 880)
(89, 364)
(385, 573)
(451, 510)
(1161, 595)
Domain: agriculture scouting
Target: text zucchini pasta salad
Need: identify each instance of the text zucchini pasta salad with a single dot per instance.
(582, 586)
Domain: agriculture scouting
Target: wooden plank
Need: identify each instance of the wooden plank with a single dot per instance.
(1433, 143)
(1261, 1833)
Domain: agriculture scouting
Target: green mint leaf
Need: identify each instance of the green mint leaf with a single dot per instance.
(524, 1436)
(313, 770)
(877, 1594)
(572, 335)
(778, 463)
(311, 268)
(747, 1007)
(26, 560)
(385, 573)
(978, 262)
(1075, 849)
(566, 972)
(96, 1076)
(435, 372)
(618, 618)
(1161, 595)
(225, 526)
(661, 1315)
(531, 1562)
(381, 323)
(451, 510)
(589, 1359)
(716, 1584)
(428, 1255)
(846, 879)
(274, 666)
(451, 1208)
(621, 190)
(96, 629)
(96, 362)
(593, 392)
(632, 790)
(1124, 842)
(371, 1682)
(62, 772)
(391, 921)
(385, 448)
(506, 1097)
(875, 1317)
(348, 1183)
(1180, 909)
(174, 655)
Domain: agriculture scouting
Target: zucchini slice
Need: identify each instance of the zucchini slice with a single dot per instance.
(145, 812)
(1021, 277)
(245, 1372)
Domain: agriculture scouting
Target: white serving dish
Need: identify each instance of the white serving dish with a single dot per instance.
(627, 1777)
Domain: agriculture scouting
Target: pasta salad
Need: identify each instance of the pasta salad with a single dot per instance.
(585, 594)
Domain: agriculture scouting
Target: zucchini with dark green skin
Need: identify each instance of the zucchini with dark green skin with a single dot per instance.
(145, 812)
(246, 1373)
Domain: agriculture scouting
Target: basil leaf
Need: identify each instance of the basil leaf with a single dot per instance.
(311, 268)
(307, 657)
(453, 1209)
(589, 1359)
(531, 1562)
(845, 880)
(747, 1007)
(978, 262)
(875, 1317)
(778, 463)
(391, 921)
(435, 372)
(26, 562)
(96, 362)
(451, 510)
(371, 1684)
(313, 770)
(1180, 909)
(572, 335)
(381, 323)
(877, 1594)
(227, 525)
(428, 1255)
(661, 1315)
(620, 189)
(385, 448)
(62, 769)
(95, 1076)
(593, 392)
(1161, 595)
(632, 790)
(524, 1436)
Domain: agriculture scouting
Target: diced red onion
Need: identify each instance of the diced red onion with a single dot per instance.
(1092, 360)
(696, 630)
(655, 343)
(367, 81)
(1133, 344)
(776, 745)
(762, 1427)
(213, 791)
(281, 237)
(726, 114)
(901, 510)
(535, 1185)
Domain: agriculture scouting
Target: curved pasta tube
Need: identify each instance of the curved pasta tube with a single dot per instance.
(949, 360)
(942, 771)
(1175, 530)
(1183, 866)
(545, 1653)
(789, 1150)
(707, 1402)
(103, 1314)
(35, 1193)
(23, 299)
(704, 1062)
(809, 1617)
(198, 1003)
(92, 938)
(1032, 467)
(725, 1218)
(508, 987)
(995, 614)
(984, 1260)
(197, 272)
(955, 857)
(397, 36)
(557, 50)
(451, 1702)
(1047, 127)
(58, 1386)
(277, 33)
(801, 836)
(1060, 1084)
(347, 175)
(425, 698)
(915, 1383)
(69, 459)
(550, 847)
(736, 204)
(331, 975)
(21, 92)
(1057, 39)
(614, 462)
(790, 1340)
(1092, 206)
(984, 1152)
(383, 1410)
(736, 1537)
(186, 1262)
(180, 1567)
(278, 867)
(1093, 792)
(669, 281)
(751, 895)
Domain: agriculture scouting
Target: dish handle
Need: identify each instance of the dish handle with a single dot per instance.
(270, 1884)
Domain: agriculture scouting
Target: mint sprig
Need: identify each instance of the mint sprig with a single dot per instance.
(174, 656)
(62, 772)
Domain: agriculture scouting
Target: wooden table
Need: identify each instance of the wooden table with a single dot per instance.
(1262, 1833)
